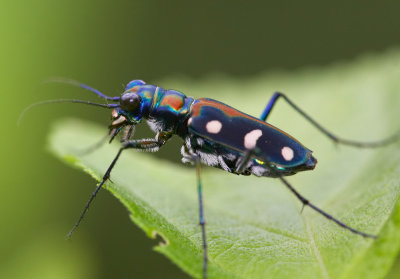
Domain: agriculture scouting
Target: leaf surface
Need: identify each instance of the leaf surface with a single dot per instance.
(255, 227)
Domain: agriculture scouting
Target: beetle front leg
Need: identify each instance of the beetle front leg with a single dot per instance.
(142, 144)
(151, 145)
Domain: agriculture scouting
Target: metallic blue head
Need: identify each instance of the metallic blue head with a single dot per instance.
(130, 109)
(133, 83)
(130, 105)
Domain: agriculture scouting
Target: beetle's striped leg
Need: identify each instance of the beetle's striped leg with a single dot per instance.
(142, 144)
(196, 159)
(128, 132)
(333, 137)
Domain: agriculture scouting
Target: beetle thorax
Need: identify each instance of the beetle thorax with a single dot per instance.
(168, 110)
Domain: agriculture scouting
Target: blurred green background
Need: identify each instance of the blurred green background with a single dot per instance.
(106, 44)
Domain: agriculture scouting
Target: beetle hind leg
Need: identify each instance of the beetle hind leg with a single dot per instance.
(359, 144)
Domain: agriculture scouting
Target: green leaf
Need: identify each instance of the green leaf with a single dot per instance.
(255, 227)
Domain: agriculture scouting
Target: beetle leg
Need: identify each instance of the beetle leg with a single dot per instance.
(244, 160)
(128, 132)
(306, 202)
(249, 154)
(393, 138)
(196, 160)
(141, 144)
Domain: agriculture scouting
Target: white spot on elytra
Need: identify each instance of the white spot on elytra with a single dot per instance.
(250, 139)
(287, 153)
(189, 121)
(214, 126)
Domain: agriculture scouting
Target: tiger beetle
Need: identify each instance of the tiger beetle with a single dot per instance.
(214, 134)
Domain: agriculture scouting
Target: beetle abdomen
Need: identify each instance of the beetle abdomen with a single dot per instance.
(228, 127)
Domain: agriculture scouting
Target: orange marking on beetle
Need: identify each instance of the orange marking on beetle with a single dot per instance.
(172, 101)
(133, 89)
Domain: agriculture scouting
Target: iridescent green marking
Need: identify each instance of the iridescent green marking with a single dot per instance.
(156, 98)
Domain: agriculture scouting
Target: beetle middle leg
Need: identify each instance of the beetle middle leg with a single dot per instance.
(201, 216)
(190, 156)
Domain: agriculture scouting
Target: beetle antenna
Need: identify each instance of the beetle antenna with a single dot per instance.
(79, 84)
(111, 106)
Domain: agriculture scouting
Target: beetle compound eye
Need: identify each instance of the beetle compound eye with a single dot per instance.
(130, 102)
